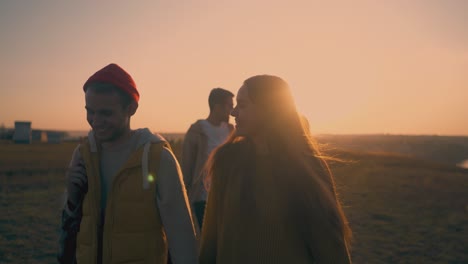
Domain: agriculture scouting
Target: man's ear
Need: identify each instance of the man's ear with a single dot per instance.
(132, 107)
(216, 108)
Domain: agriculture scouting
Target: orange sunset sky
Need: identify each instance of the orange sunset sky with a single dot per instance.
(360, 67)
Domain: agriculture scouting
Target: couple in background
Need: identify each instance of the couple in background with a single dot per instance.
(270, 196)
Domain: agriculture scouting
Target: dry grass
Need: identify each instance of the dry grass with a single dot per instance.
(37, 156)
(401, 210)
(404, 210)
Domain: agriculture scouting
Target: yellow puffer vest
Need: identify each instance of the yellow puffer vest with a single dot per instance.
(133, 232)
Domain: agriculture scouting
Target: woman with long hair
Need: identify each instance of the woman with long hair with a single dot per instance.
(273, 198)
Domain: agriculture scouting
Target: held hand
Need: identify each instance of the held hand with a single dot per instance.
(67, 240)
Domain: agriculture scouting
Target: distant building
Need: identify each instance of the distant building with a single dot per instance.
(39, 136)
(55, 136)
(6, 133)
(48, 136)
(22, 134)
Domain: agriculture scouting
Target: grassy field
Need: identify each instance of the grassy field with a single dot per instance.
(402, 210)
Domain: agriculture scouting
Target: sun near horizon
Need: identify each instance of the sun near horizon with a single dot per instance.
(367, 67)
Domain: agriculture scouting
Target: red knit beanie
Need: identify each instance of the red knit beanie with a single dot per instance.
(117, 76)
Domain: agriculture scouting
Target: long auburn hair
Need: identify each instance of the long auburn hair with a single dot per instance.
(297, 162)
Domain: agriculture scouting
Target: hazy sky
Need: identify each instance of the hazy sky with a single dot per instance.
(398, 67)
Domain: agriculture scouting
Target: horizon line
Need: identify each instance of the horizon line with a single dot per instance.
(314, 134)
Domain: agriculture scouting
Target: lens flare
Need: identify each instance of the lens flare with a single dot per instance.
(150, 178)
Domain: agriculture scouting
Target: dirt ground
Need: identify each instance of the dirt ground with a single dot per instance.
(401, 210)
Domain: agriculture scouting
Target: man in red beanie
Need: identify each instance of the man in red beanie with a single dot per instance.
(126, 199)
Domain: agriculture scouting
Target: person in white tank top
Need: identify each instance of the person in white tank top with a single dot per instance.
(216, 134)
(201, 139)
